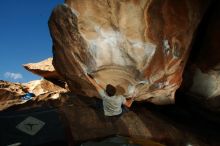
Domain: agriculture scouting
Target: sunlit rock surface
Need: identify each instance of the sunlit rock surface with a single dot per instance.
(123, 43)
(43, 68)
(43, 86)
(11, 93)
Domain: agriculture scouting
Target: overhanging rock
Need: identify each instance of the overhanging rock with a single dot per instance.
(43, 68)
(124, 43)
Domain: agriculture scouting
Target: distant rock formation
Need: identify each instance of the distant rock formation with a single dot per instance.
(42, 86)
(124, 43)
(11, 93)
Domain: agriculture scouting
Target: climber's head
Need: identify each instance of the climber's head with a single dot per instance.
(110, 90)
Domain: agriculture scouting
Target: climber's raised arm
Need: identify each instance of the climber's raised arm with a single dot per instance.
(92, 80)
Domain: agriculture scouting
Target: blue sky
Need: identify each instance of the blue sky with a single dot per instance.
(24, 36)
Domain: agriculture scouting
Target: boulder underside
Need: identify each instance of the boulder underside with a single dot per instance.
(141, 43)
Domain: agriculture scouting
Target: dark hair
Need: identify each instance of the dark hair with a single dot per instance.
(110, 90)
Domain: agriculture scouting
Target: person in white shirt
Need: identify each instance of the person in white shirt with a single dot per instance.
(112, 104)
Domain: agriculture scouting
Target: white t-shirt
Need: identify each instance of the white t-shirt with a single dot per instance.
(112, 104)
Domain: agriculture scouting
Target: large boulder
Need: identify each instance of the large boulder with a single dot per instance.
(171, 126)
(202, 75)
(123, 43)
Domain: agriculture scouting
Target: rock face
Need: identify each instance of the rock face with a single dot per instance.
(11, 93)
(43, 68)
(39, 87)
(124, 43)
(203, 70)
(206, 84)
(85, 121)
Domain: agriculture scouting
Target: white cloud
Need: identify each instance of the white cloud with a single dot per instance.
(12, 75)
